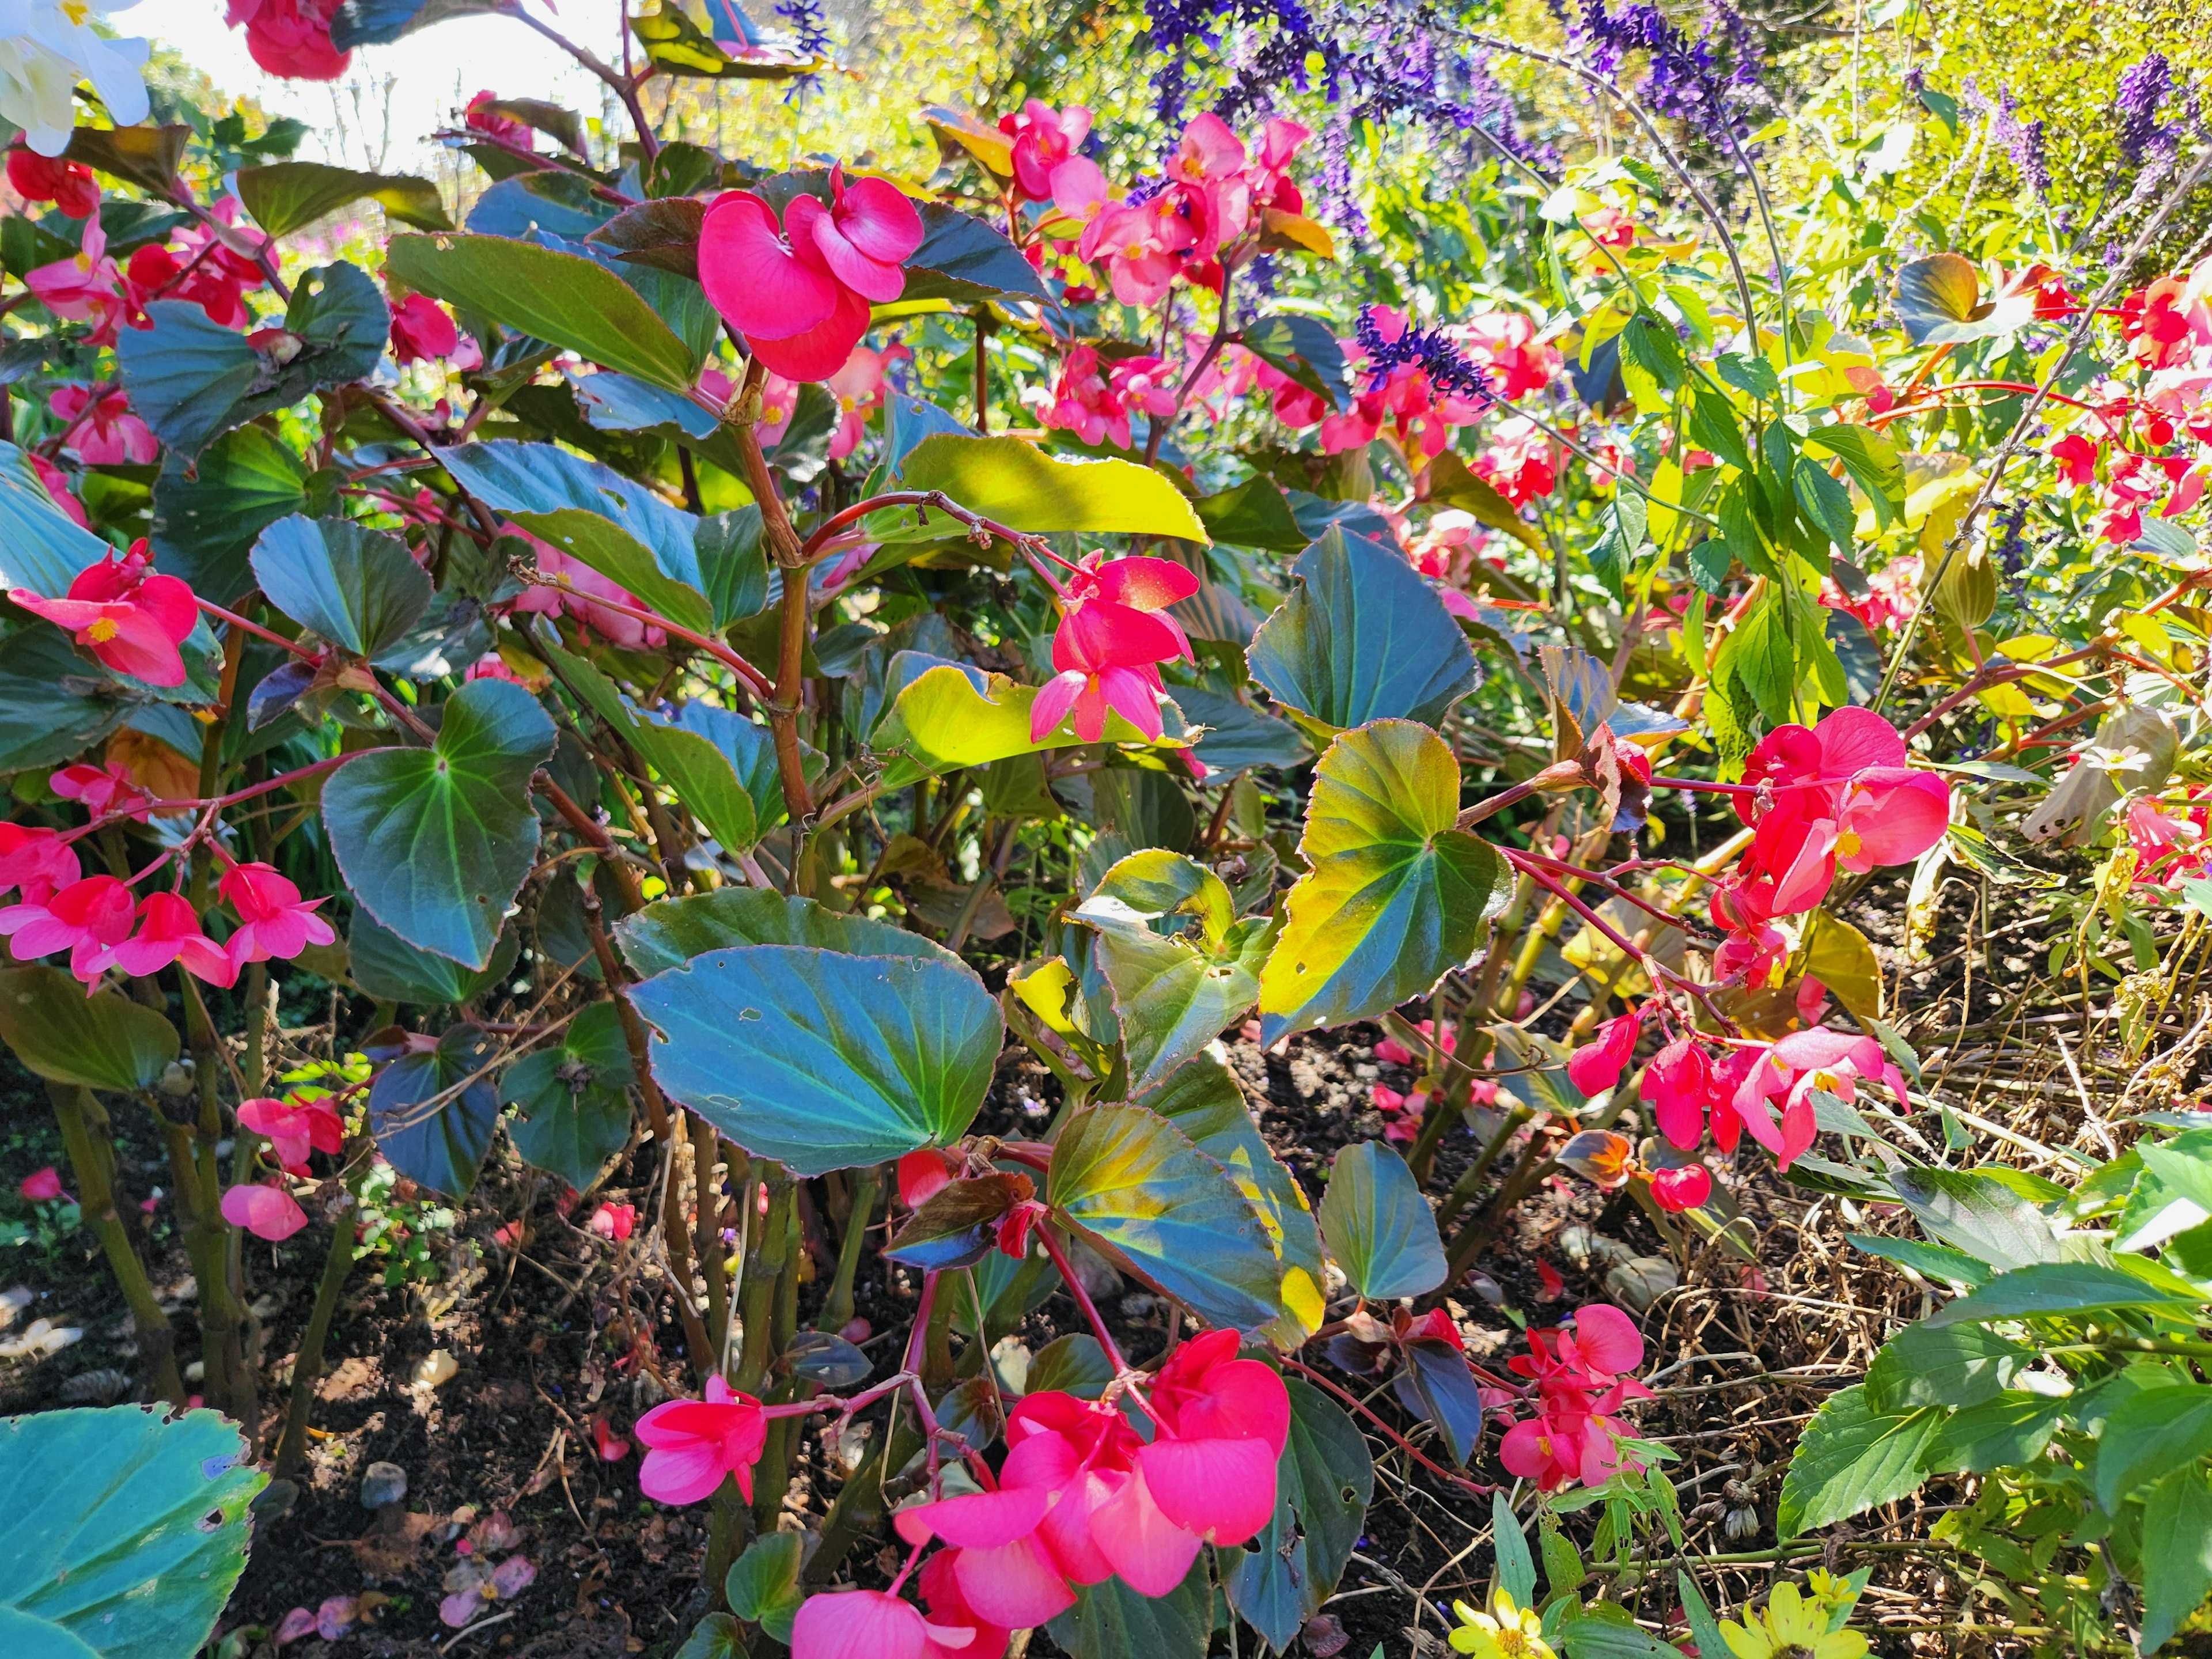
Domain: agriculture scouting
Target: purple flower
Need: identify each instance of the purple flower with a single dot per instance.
(2142, 88)
(810, 28)
(1448, 372)
(1684, 79)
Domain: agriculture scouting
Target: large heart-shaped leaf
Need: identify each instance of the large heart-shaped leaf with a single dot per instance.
(1324, 1481)
(951, 714)
(820, 1060)
(1136, 1188)
(1394, 896)
(1362, 638)
(1236, 737)
(435, 842)
(206, 515)
(128, 1533)
(962, 259)
(192, 380)
(286, 195)
(1173, 993)
(41, 547)
(670, 933)
(1110, 1620)
(358, 588)
(562, 299)
(615, 525)
(54, 704)
(432, 1112)
(389, 968)
(575, 1113)
(102, 1041)
(1013, 482)
(1379, 1230)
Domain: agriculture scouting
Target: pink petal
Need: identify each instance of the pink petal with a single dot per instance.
(1895, 822)
(1526, 1449)
(167, 601)
(985, 1520)
(819, 351)
(1685, 1188)
(141, 648)
(681, 1474)
(763, 288)
(1852, 739)
(872, 278)
(1145, 584)
(1129, 694)
(858, 1625)
(1222, 1490)
(1016, 1585)
(1150, 1551)
(878, 221)
(1053, 699)
(1609, 1338)
(265, 1211)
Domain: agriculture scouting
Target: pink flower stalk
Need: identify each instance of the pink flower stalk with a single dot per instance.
(1112, 635)
(692, 1443)
(273, 920)
(291, 38)
(84, 918)
(266, 1212)
(294, 1127)
(1597, 1066)
(42, 1186)
(1581, 1378)
(102, 431)
(799, 290)
(1792, 1069)
(168, 931)
(421, 333)
(132, 620)
(614, 1222)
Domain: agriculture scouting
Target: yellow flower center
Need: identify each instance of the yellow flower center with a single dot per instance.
(103, 629)
(76, 11)
(1512, 1643)
(1847, 844)
(1134, 251)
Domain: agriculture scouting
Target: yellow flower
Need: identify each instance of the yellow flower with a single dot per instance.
(1504, 1632)
(1790, 1628)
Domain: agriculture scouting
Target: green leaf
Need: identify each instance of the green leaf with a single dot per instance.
(1379, 1230)
(286, 195)
(147, 156)
(2177, 1553)
(1323, 1483)
(575, 1113)
(672, 932)
(137, 1535)
(2158, 1431)
(2011, 1429)
(1254, 514)
(1133, 1185)
(1306, 349)
(435, 842)
(820, 1060)
(762, 1586)
(1929, 1260)
(1394, 896)
(1943, 1366)
(1205, 1101)
(191, 380)
(1516, 1568)
(2063, 1287)
(1713, 427)
(1871, 459)
(358, 588)
(951, 715)
(964, 260)
(389, 968)
(1437, 1384)
(732, 563)
(1237, 738)
(54, 704)
(701, 778)
(102, 1041)
(676, 46)
(432, 1112)
(1173, 994)
(957, 1226)
(1703, 1628)
(1851, 1458)
(717, 1635)
(41, 547)
(1826, 504)
(1013, 482)
(563, 298)
(1764, 659)
(2182, 1167)
(207, 515)
(1978, 1211)
(615, 525)
(1362, 638)
(1074, 1363)
(1601, 1638)
(1112, 1621)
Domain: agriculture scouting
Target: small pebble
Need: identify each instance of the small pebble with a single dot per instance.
(382, 1484)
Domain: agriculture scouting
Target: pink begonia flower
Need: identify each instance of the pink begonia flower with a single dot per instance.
(798, 291)
(70, 186)
(922, 1174)
(35, 858)
(1094, 399)
(1793, 1068)
(866, 1623)
(102, 431)
(87, 286)
(1045, 140)
(132, 620)
(294, 1127)
(84, 918)
(1581, 1378)
(580, 586)
(858, 388)
(58, 488)
(274, 921)
(1144, 244)
(169, 931)
(421, 333)
(692, 1443)
(266, 1212)
(1678, 1084)
(480, 117)
(614, 1221)
(1597, 1066)
(291, 38)
(1112, 634)
(100, 789)
(42, 1186)
(1685, 1188)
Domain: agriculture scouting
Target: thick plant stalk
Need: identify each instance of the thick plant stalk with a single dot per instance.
(793, 618)
(307, 1368)
(837, 1307)
(732, 1526)
(76, 1111)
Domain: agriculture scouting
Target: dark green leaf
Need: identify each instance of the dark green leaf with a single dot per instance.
(962, 259)
(102, 1041)
(1851, 1458)
(563, 298)
(41, 547)
(1362, 638)
(1713, 427)
(147, 156)
(717, 1635)
(1379, 1230)
(1254, 514)
(762, 1586)
(958, 1225)
(1394, 895)
(286, 195)
(2158, 1431)
(1871, 459)
(825, 1360)
(1942, 1365)
(700, 777)
(1239, 737)
(435, 842)
(732, 563)
(54, 704)
(1438, 1385)
(1323, 1483)
(358, 588)
(821, 1060)
(670, 933)
(1304, 348)
(207, 516)
(1516, 1568)
(389, 968)
(432, 1112)
(575, 1112)
(531, 203)
(1133, 1185)
(1112, 1621)
(2011, 1429)
(1929, 1260)
(138, 1535)
(2177, 1553)
(2063, 1287)
(1075, 1363)
(1826, 504)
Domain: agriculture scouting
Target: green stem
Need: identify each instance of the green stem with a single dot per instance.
(308, 1367)
(837, 1309)
(77, 1113)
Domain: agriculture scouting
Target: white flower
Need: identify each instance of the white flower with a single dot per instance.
(46, 46)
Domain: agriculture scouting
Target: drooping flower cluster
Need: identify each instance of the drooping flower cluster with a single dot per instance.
(130, 619)
(584, 594)
(89, 286)
(1095, 398)
(291, 38)
(1582, 1378)
(798, 287)
(1113, 633)
(691, 1445)
(295, 1127)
